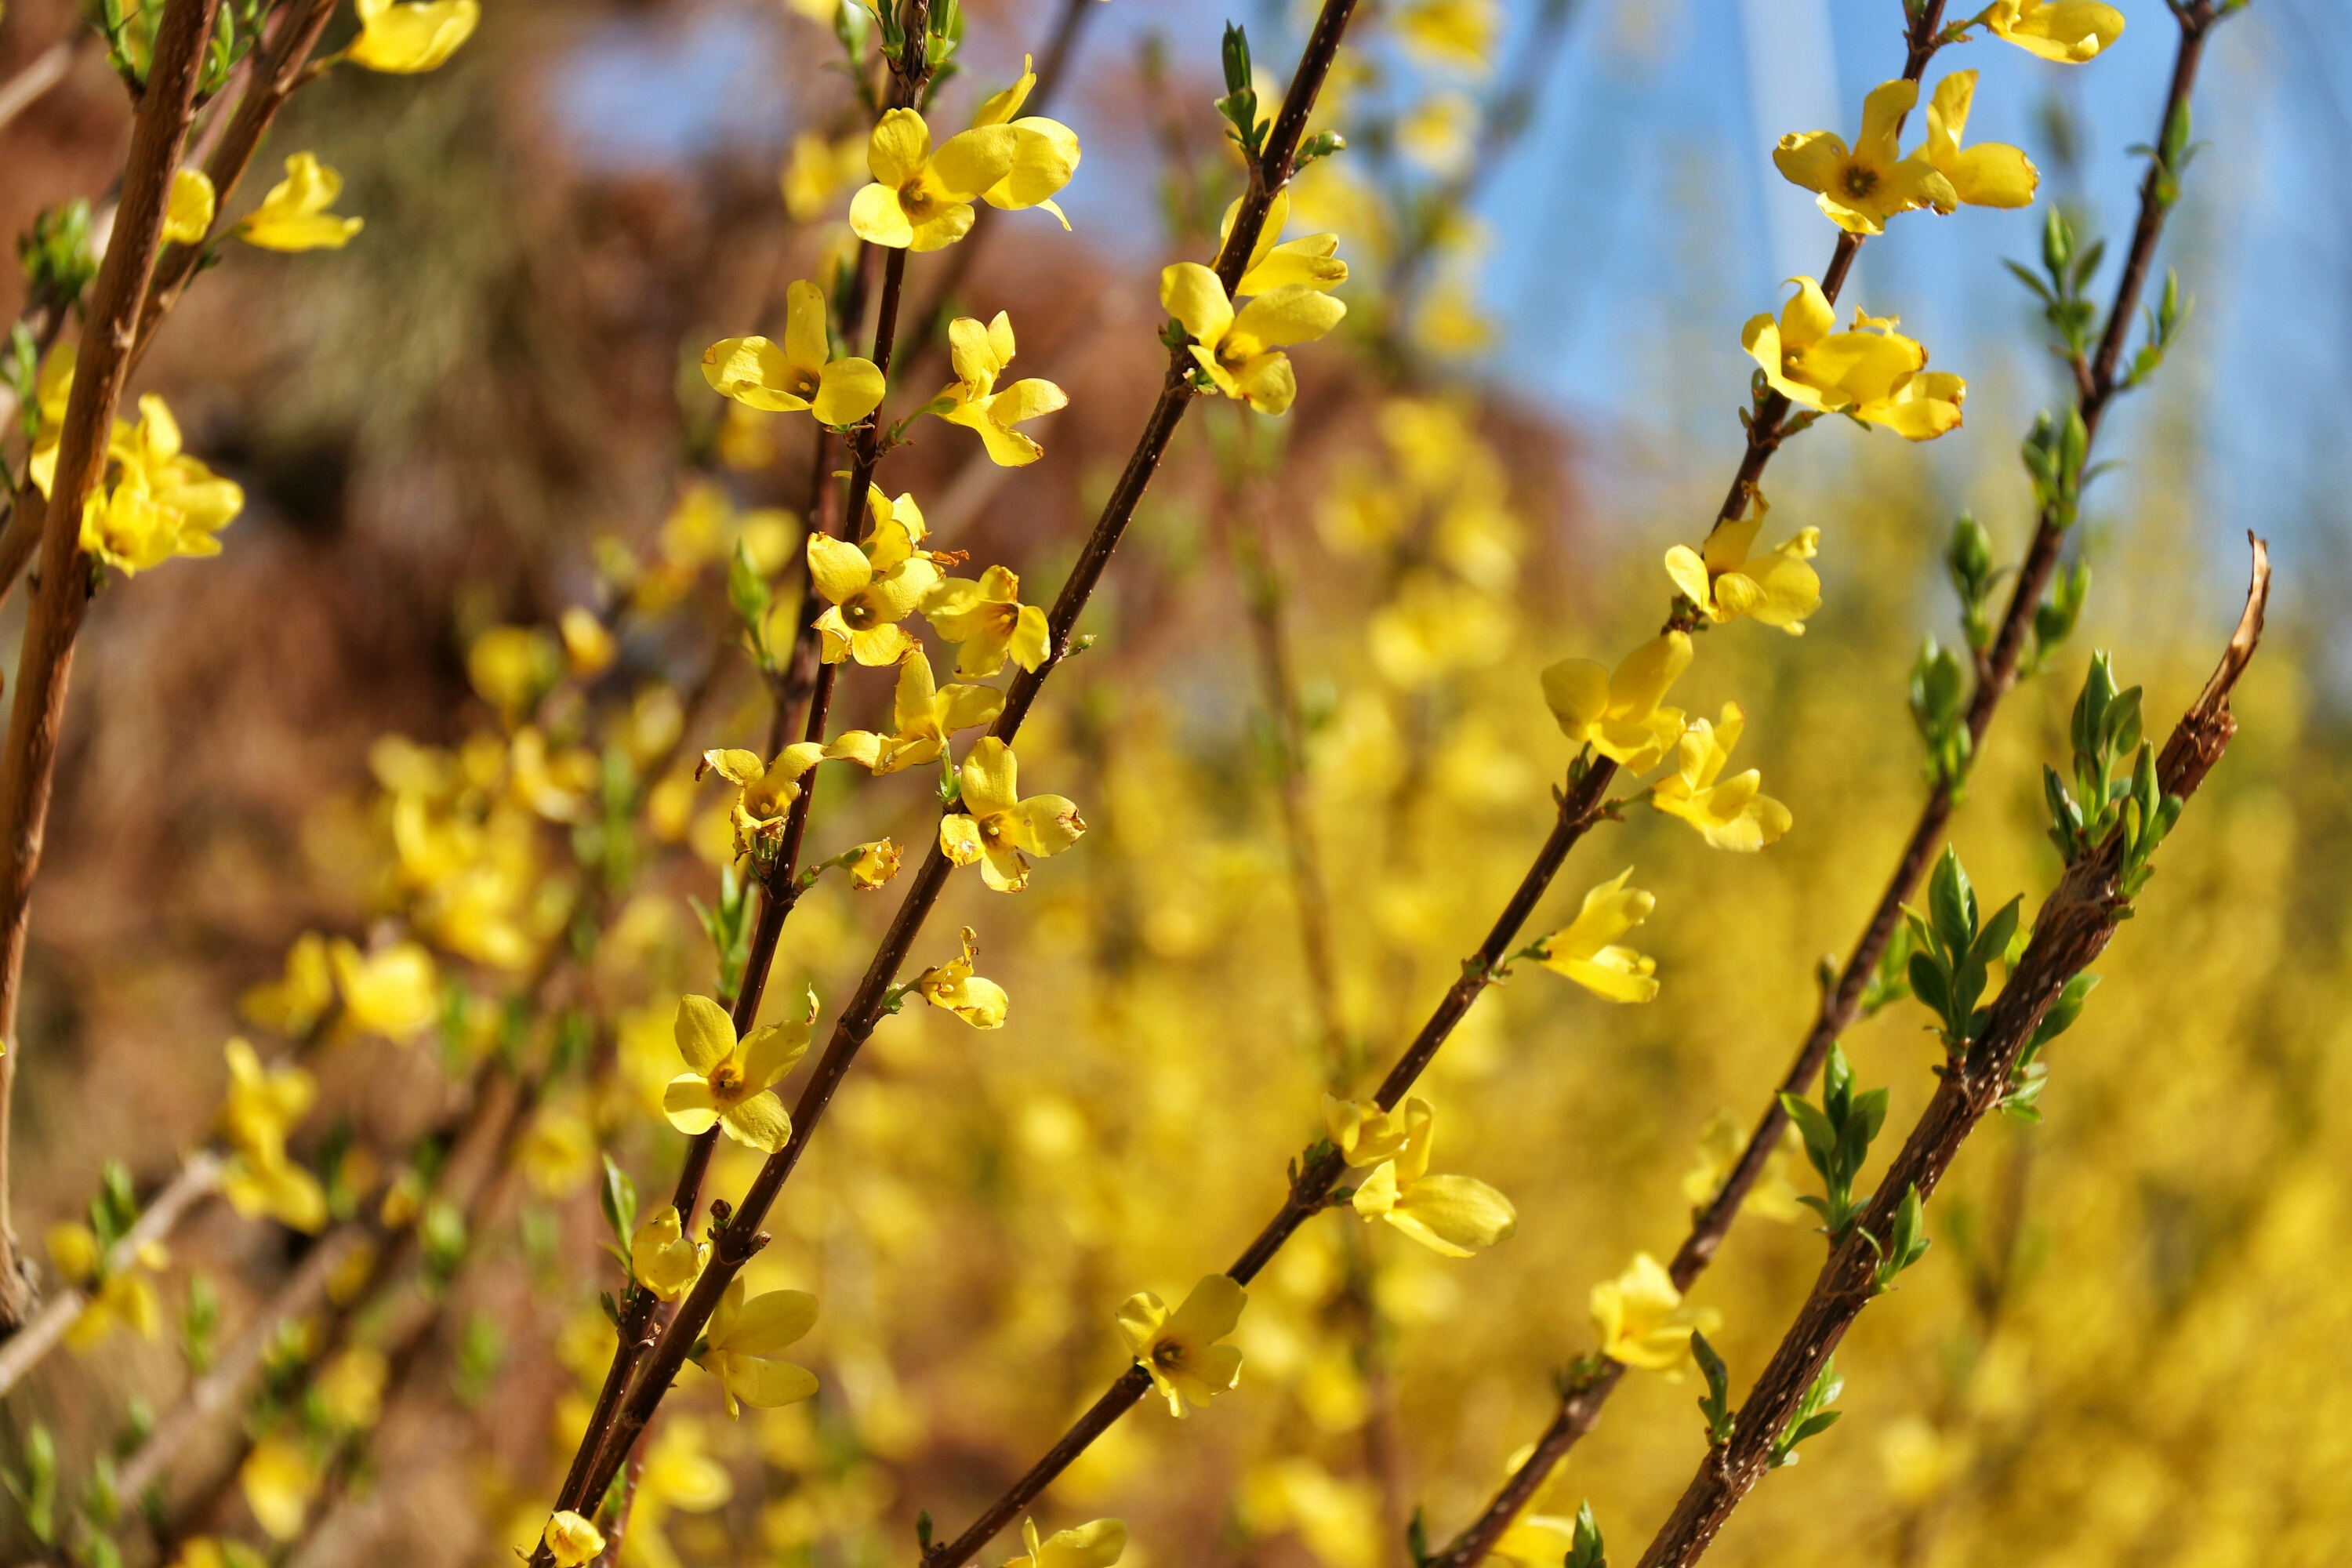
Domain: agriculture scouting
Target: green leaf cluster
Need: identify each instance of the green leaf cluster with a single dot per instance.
(1837, 1135)
(1952, 952)
(1812, 1417)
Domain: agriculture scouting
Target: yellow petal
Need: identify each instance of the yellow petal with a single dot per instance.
(1192, 293)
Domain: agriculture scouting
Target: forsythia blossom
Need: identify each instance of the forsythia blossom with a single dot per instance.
(1730, 580)
(1877, 375)
(1859, 188)
(1096, 1544)
(163, 502)
(872, 586)
(733, 1081)
(2066, 31)
(1990, 175)
(744, 1341)
(765, 791)
(1180, 1349)
(1312, 260)
(989, 623)
(418, 36)
(572, 1539)
(921, 196)
(800, 374)
(977, 1001)
(1456, 1216)
(1044, 158)
(664, 1258)
(1774, 1195)
(819, 171)
(1241, 354)
(926, 715)
(1616, 712)
(278, 1479)
(294, 216)
(262, 1106)
(1643, 1321)
(997, 830)
(394, 991)
(1584, 950)
(975, 401)
(188, 216)
(117, 1298)
(1732, 814)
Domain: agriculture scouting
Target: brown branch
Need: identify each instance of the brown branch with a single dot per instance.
(196, 1180)
(2072, 929)
(55, 619)
(1580, 1406)
(740, 1237)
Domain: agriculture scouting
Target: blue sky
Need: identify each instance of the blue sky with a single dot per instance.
(1643, 197)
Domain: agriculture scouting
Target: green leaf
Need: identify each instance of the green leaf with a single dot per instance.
(619, 1198)
(1584, 1548)
(1952, 903)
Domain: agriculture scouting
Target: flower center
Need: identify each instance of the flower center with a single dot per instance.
(803, 385)
(1166, 1353)
(725, 1079)
(992, 830)
(915, 200)
(1859, 181)
(858, 613)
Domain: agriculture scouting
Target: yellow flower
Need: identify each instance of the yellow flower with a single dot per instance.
(1242, 354)
(871, 586)
(1877, 375)
(164, 503)
(1180, 1349)
(589, 646)
(350, 1389)
(1643, 1321)
(870, 865)
(394, 992)
(1311, 260)
(1616, 712)
(1440, 136)
(1096, 1544)
(988, 622)
(52, 390)
(1362, 1133)
(731, 1083)
(1774, 1195)
(2066, 31)
(819, 171)
(572, 1539)
(1730, 815)
(741, 1348)
(1455, 1216)
(996, 826)
(1458, 33)
(262, 1106)
(294, 1005)
(1435, 624)
(1860, 188)
(663, 1259)
(1044, 158)
(278, 1480)
(404, 39)
(1992, 176)
(1729, 580)
(209, 1552)
(799, 375)
(558, 1154)
(677, 1474)
(981, 354)
(921, 199)
(294, 216)
(925, 714)
(188, 216)
(512, 668)
(765, 791)
(979, 1002)
(117, 1298)
(1583, 950)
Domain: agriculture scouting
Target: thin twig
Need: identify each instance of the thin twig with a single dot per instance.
(742, 1236)
(27, 773)
(2071, 930)
(24, 88)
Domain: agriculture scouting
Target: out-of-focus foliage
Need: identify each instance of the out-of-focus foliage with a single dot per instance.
(439, 703)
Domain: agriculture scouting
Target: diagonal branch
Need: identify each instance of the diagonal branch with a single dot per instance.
(2072, 929)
